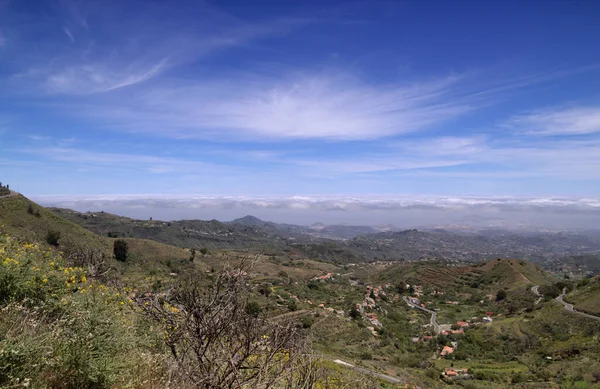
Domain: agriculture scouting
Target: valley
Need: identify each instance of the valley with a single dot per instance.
(426, 321)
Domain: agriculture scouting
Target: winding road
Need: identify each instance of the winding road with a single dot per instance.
(535, 291)
(568, 307)
(374, 373)
(433, 320)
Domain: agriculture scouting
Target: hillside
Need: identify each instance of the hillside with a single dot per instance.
(247, 233)
(440, 244)
(340, 244)
(485, 276)
(30, 222)
(586, 297)
(320, 298)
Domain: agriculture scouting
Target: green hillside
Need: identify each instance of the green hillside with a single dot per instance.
(147, 260)
(586, 297)
(22, 218)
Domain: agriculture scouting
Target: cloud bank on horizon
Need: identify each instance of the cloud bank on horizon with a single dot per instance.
(300, 99)
(407, 211)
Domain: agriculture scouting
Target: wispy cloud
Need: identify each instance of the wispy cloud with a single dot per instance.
(322, 106)
(111, 50)
(566, 121)
(149, 163)
(69, 34)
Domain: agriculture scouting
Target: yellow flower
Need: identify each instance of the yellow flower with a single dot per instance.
(44, 280)
(83, 279)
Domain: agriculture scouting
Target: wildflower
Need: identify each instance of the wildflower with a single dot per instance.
(44, 280)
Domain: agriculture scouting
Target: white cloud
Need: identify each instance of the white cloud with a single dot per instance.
(69, 34)
(318, 106)
(90, 159)
(111, 50)
(567, 121)
(101, 77)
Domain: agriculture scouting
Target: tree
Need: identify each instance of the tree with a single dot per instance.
(355, 313)
(401, 288)
(30, 209)
(120, 250)
(218, 342)
(192, 254)
(501, 295)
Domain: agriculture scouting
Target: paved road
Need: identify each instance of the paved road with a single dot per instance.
(433, 320)
(364, 370)
(568, 307)
(535, 291)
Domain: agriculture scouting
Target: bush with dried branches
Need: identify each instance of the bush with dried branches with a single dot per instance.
(217, 343)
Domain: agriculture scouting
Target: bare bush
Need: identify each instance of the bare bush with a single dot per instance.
(93, 260)
(218, 344)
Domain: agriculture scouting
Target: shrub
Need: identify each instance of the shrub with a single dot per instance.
(355, 314)
(253, 309)
(219, 341)
(52, 238)
(501, 295)
(120, 250)
(307, 321)
(292, 306)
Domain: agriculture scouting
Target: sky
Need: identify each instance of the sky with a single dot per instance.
(268, 99)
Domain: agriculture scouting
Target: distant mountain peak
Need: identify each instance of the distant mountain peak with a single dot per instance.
(249, 220)
(317, 226)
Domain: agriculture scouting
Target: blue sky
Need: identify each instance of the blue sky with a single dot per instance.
(300, 98)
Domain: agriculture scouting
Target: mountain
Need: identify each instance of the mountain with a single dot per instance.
(343, 243)
(249, 220)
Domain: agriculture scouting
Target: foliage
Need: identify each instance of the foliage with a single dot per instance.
(58, 328)
(217, 343)
(52, 237)
(120, 250)
(501, 295)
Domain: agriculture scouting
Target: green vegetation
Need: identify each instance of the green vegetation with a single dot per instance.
(86, 310)
(586, 295)
(4, 190)
(120, 250)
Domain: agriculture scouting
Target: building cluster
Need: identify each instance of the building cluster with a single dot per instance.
(451, 372)
(324, 277)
